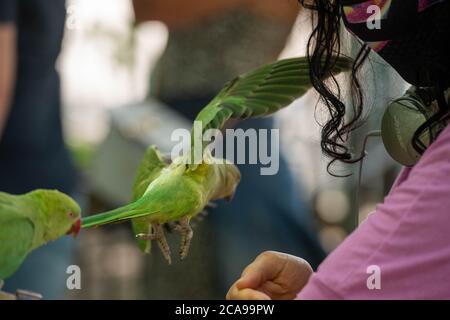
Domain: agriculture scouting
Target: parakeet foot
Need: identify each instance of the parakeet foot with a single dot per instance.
(150, 236)
(186, 237)
(162, 242)
(159, 236)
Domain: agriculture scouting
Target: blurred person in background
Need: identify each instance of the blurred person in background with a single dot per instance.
(210, 42)
(32, 150)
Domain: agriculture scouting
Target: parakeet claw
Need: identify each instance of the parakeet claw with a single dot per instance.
(162, 242)
(186, 236)
(144, 236)
(159, 236)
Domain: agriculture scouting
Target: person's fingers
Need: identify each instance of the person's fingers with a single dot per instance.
(250, 294)
(245, 294)
(290, 280)
(299, 270)
(279, 275)
(272, 275)
(265, 267)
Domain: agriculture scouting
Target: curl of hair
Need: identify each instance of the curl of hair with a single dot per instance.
(323, 45)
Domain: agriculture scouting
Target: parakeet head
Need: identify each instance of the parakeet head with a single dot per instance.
(62, 214)
(233, 177)
(229, 173)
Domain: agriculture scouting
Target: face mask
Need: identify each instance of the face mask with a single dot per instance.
(413, 36)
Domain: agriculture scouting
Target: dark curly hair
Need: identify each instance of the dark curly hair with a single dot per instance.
(323, 45)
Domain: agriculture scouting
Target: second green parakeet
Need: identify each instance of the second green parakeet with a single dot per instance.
(177, 192)
(168, 193)
(31, 220)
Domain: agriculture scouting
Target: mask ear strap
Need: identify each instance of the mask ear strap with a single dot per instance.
(371, 134)
(444, 106)
(441, 99)
(428, 96)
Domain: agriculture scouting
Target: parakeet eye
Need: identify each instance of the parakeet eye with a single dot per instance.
(70, 214)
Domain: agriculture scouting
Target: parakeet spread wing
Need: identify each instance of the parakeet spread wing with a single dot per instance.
(149, 169)
(261, 92)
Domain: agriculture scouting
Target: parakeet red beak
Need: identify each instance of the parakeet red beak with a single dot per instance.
(75, 229)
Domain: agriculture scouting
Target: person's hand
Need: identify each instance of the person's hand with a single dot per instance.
(273, 275)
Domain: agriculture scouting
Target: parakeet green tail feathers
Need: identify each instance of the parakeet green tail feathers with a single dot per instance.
(114, 216)
(101, 218)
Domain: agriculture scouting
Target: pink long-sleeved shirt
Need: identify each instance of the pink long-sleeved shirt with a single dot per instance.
(402, 251)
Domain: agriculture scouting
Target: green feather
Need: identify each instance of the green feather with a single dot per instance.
(149, 169)
(117, 215)
(261, 92)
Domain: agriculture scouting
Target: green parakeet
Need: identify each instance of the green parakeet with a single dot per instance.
(31, 220)
(177, 192)
(167, 193)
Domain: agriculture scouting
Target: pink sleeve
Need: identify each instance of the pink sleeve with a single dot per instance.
(406, 240)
